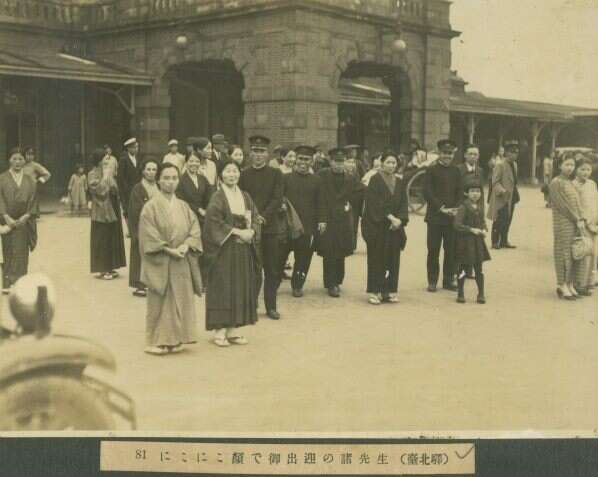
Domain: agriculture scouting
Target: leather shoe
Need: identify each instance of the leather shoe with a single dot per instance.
(334, 292)
(508, 245)
(432, 287)
(273, 315)
(297, 292)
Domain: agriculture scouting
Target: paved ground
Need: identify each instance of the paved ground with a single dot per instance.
(523, 361)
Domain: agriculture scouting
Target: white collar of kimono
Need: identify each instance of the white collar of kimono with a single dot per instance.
(17, 176)
(235, 199)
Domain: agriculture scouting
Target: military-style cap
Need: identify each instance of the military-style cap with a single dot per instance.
(191, 140)
(511, 146)
(259, 142)
(446, 145)
(173, 142)
(304, 150)
(130, 141)
(200, 142)
(337, 154)
(218, 139)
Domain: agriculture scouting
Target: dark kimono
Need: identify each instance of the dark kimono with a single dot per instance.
(384, 246)
(234, 269)
(334, 208)
(470, 249)
(137, 200)
(197, 198)
(17, 201)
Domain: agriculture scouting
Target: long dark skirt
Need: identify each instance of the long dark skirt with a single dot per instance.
(15, 247)
(108, 244)
(384, 261)
(135, 265)
(231, 298)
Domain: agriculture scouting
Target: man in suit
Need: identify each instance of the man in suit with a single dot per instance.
(219, 153)
(443, 192)
(504, 196)
(264, 184)
(129, 173)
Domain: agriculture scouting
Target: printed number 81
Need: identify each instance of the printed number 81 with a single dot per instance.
(140, 454)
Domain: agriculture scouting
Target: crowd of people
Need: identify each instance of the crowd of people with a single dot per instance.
(219, 222)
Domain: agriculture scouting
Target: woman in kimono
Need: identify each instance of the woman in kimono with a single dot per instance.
(568, 222)
(385, 216)
(588, 194)
(170, 243)
(18, 210)
(140, 194)
(107, 242)
(230, 235)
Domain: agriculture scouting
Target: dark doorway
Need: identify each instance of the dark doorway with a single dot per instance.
(206, 98)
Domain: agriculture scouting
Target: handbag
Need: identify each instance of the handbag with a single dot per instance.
(581, 247)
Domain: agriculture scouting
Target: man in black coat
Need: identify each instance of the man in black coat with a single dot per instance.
(219, 152)
(129, 173)
(443, 192)
(265, 186)
(301, 189)
(335, 220)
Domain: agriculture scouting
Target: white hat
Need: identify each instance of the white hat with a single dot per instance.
(130, 141)
(173, 142)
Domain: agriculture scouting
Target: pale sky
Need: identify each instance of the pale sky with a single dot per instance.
(539, 50)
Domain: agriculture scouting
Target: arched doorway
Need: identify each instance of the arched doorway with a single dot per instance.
(375, 106)
(206, 98)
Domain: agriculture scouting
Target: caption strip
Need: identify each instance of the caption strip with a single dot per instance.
(289, 459)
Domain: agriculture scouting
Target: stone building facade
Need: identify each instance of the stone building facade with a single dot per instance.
(274, 67)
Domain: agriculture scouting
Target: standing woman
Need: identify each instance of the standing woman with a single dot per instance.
(196, 191)
(230, 236)
(143, 191)
(18, 210)
(169, 242)
(107, 243)
(567, 223)
(235, 152)
(202, 149)
(383, 228)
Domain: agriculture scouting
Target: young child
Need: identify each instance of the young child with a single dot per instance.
(470, 247)
(588, 193)
(78, 191)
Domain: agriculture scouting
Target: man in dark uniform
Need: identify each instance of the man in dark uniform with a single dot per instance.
(471, 172)
(335, 220)
(219, 153)
(301, 188)
(265, 186)
(443, 191)
(129, 173)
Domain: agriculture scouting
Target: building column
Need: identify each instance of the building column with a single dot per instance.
(536, 129)
(151, 122)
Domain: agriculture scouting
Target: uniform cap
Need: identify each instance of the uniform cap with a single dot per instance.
(304, 150)
(259, 142)
(173, 142)
(446, 145)
(218, 139)
(337, 154)
(130, 141)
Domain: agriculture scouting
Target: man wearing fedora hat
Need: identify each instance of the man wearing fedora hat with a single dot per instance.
(219, 144)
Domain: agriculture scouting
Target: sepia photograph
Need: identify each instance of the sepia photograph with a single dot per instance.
(299, 217)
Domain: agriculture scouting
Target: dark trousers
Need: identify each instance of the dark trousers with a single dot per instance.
(303, 251)
(334, 271)
(502, 224)
(383, 270)
(270, 257)
(441, 235)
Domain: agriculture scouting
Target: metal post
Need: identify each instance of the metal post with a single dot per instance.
(535, 133)
(83, 117)
(471, 127)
